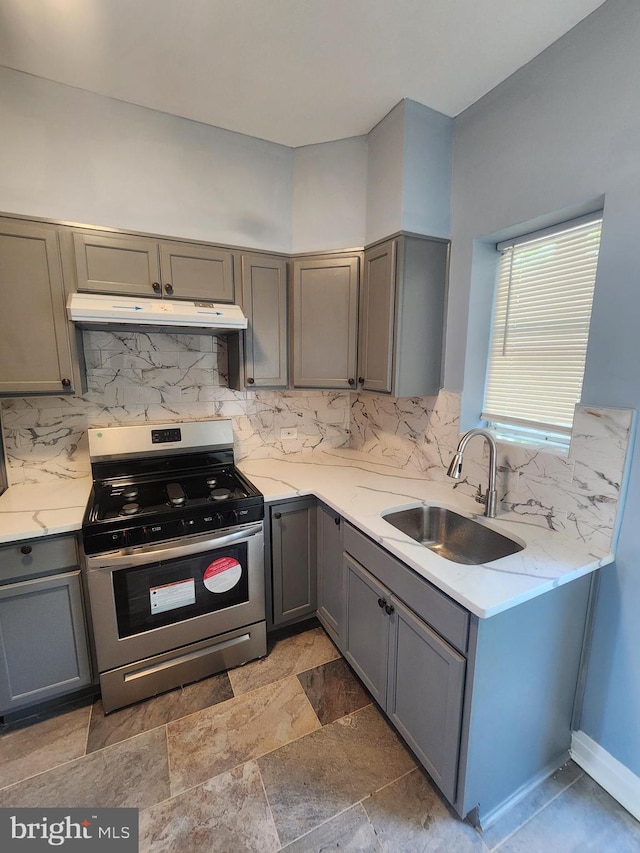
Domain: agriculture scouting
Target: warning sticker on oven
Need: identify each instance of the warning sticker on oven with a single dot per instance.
(222, 575)
(172, 595)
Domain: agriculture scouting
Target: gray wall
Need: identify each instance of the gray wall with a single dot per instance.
(409, 172)
(556, 136)
(68, 154)
(426, 175)
(330, 195)
(384, 175)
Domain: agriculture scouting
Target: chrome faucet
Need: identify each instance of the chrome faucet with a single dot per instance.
(490, 500)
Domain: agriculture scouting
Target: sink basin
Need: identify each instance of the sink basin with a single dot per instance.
(453, 536)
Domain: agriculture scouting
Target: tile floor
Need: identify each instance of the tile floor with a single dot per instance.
(287, 753)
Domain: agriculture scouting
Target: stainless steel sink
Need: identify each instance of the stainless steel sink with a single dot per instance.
(453, 536)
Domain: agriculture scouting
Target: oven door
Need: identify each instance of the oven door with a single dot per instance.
(160, 597)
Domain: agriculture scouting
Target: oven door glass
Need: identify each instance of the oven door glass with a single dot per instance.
(163, 593)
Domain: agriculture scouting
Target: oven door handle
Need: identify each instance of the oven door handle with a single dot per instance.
(152, 553)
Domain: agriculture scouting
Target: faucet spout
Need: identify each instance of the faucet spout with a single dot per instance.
(490, 500)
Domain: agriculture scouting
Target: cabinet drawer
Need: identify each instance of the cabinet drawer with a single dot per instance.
(449, 619)
(44, 556)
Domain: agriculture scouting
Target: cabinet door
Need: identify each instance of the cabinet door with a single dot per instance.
(367, 629)
(197, 272)
(43, 642)
(264, 299)
(331, 594)
(426, 686)
(377, 318)
(126, 265)
(325, 306)
(293, 559)
(35, 354)
(421, 287)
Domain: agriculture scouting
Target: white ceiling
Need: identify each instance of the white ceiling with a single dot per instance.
(291, 71)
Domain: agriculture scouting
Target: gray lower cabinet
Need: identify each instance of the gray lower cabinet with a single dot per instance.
(141, 266)
(487, 705)
(331, 593)
(413, 674)
(325, 321)
(425, 694)
(44, 650)
(35, 336)
(401, 322)
(293, 560)
(367, 629)
(258, 358)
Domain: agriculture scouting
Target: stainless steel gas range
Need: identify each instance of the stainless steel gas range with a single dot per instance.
(173, 537)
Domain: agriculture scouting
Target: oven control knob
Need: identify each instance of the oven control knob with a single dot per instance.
(187, 525)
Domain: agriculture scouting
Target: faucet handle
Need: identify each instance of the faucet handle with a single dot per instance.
(479, 497)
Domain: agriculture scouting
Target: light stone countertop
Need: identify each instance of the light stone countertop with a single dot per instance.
(43, 509)
(360, 491)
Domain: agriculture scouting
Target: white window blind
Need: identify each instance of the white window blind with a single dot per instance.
(540, 327)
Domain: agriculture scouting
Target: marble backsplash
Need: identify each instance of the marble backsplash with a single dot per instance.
(138, 377)
(153, 377)
(578, 493)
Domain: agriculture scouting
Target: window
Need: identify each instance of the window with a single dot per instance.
(540, 330)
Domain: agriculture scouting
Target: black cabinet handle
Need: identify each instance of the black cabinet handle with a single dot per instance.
(361, 380)
(250, 380)
(169, 289)
(351, 381)
(66, 383)
(26, 549)
(389, 608)
(277, 515)
(337, 520)
(381, 602)
(156, 287)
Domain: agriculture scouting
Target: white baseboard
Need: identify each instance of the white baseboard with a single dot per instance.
(614, 777)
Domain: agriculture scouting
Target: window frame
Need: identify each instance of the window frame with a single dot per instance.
(527, 431)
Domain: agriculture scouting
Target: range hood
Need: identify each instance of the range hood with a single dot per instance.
(97, 311)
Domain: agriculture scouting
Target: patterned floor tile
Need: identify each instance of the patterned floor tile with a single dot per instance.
(349, 832)
(131, 774)
(333, 690)
(317, 777)
(410, 815)
(229, 814)
(41, 743)
(289, 656)
(127, 722)
(215, 740)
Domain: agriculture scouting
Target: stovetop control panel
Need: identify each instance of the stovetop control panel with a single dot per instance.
(164, 436)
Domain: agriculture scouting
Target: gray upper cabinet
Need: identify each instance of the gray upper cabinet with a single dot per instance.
(142, 266)
(198, 272)
(126, 265)
(401, 320)
(264, 299)
(35, 339)
(325, 311)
